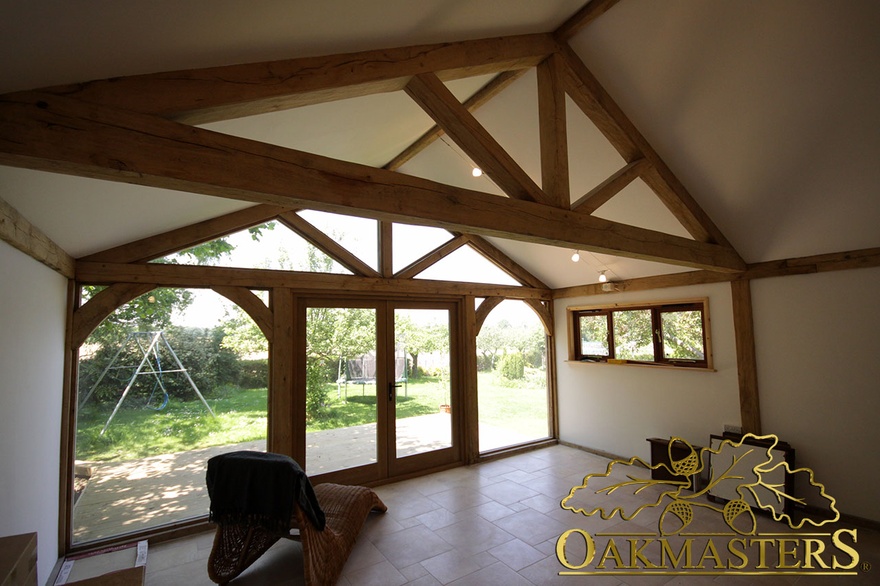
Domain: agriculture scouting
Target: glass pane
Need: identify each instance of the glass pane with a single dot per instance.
(468, 266)
(360, 236)
(683, 335)
(594, 335)
(512, 377)
(160, 391)
(632, 335)
(267, 246)
(422, 371)
(410, 243)
(340, 388)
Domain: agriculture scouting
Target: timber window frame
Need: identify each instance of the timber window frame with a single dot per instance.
(618, 334)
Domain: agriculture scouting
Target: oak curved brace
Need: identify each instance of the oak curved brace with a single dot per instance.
(90, 315)
(252, 305)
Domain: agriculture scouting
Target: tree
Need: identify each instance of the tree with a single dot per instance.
(243, 336)
(416, 339)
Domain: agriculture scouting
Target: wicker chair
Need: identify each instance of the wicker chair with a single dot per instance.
(238, 545)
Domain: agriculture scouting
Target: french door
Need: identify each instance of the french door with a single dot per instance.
(381, 388)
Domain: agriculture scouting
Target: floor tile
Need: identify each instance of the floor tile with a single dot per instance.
(474, 535)
(411, 546)
(450, 566)
(517, 554)
(495, 575)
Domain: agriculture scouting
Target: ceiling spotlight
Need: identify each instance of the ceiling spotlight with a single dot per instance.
(602, 277)
(576, 256)
(477, 172)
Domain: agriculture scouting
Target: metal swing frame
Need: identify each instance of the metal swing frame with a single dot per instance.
(156, 339)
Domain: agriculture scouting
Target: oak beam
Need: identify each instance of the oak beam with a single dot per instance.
(199, 96)
(386, 249)
(431, 258)
(820, 263)
(323, 242)
(553, 133)
(19, 233)
(440, 104)
(583, 17)
(837, 261)
(53, 133)
(592, 201)
(504, 262)
(161, 245)
(486, 93)
(205, 276)
(469, 382)
(746, 362)
(597, 104)
(284, 426)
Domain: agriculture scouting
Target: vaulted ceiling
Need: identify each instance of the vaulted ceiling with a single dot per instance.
(760, 116)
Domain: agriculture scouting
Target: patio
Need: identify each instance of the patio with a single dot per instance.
(129, 496)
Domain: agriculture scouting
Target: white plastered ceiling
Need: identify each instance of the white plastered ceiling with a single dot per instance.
(766, 111)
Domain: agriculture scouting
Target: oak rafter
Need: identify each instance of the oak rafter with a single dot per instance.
(440, 104)
(586, 91)
(211, 94)
(483, 95)
(153, 247)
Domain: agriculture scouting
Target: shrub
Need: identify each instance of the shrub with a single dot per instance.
(199, 351)
(253, 374)
(512, 366)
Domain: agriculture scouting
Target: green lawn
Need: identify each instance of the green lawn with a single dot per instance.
(138, 432)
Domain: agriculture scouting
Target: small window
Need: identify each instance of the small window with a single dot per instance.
(671, 334)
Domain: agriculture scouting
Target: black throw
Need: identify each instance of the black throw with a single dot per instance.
(260, 488)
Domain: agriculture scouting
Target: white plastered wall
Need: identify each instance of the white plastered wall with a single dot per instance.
(32, 310)
(816, 338)
(818, 378)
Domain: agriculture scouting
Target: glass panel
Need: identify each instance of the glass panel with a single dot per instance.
(632, 335)
(267, 246)
(468, 266)
(340, 388)
(410, 243)
(422, 370)
(360, 236)
(512, 377)
(159, 394)
(682, 335)
(594, 335)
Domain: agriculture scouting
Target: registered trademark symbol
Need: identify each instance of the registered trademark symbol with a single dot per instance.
(866, 566)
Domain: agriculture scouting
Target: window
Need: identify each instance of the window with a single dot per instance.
(670, 334)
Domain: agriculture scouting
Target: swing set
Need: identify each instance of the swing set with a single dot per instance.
(149, 344)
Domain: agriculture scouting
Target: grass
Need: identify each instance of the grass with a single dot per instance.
(137, 432)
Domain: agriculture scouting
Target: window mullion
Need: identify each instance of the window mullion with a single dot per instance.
(611, 352)
(657, 329)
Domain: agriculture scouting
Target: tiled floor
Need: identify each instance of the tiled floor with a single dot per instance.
(493, 523)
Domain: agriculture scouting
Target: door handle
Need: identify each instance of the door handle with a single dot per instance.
(391, 387)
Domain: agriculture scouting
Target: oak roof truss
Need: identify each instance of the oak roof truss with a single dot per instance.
(139, 129)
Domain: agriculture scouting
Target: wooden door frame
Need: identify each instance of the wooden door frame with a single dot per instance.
(388, 467)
